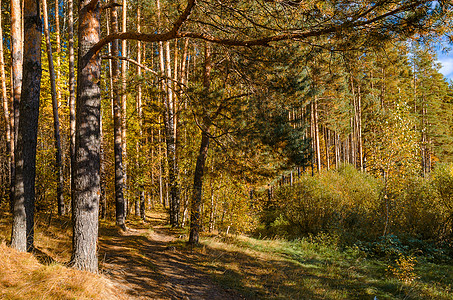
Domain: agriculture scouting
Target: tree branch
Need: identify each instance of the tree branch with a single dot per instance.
(143, 67)
(183, 17)
(173, 33)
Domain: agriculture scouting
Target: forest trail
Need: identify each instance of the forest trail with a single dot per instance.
(144, 261)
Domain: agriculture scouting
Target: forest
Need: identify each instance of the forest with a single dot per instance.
(226, 135)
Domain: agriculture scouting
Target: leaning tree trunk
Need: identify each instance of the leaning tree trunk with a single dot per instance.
(24, 192)
(117, 132)
(56, 121)
(86, 182)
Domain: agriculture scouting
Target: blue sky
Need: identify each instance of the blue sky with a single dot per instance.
(446, 60)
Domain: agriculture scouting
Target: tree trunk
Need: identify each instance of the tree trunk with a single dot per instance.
(5, 104)
(337, 149)
(161, 184)
(120, 204)
(103, 198)
(327, 146)
(316, 134)
(195, 221)
(165, 68)
(124, 108)
(58, 50)
(71, 80)
(16, 76)
(86, 183)
(171, 145)
(212, 212)
(140, 202)
(195, 212)
(23, 223)
(56, 121)
(359, 129)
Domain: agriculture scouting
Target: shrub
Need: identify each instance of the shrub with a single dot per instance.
(418, 211)
(443, 182)
(342, 202)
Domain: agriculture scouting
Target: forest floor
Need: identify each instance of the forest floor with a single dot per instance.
(153, 261)
(150, 262)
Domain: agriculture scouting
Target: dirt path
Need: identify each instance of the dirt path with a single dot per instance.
(142, 261)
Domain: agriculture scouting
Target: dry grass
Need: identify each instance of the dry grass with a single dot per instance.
(23, 277)
(43, 275)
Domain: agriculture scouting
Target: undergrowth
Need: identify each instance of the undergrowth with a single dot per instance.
(317, 268)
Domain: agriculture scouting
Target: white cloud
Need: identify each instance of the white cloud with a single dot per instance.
(447, 66)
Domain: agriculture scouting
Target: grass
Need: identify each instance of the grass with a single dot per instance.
(258, 269)
(23, 277)
(308, 269)
(43, 274)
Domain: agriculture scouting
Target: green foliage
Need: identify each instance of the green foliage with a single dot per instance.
(349, 205)
(418, 210)
(339, 202)
(443, 181)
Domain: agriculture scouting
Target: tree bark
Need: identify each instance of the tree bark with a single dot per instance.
(195, 212)
(124, 107)
(86, 183)
(196, 208)
(6, 112)
(58, 50)
(16, 76)
(359, 129)
(120, 203)
(25, 158)
(71, 80)
(56, 121)
(316, 134)
(165, 68)
(140, 202)
(103, 198)
(170, 138)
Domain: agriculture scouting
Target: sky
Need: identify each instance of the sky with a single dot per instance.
(446, 60)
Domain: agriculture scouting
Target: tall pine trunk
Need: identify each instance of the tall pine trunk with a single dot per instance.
(169, 130)
(124, 106)
(71, 81)
(16, 78)
(86, 182)
(58, 50)
(22, 235)
(120, 203)
(140, 202)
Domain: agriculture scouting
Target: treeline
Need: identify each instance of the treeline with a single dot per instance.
(193, 115)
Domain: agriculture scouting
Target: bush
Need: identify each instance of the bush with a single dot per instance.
(343, 202)
(443, 182)
(418, 211)
(349, 204)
